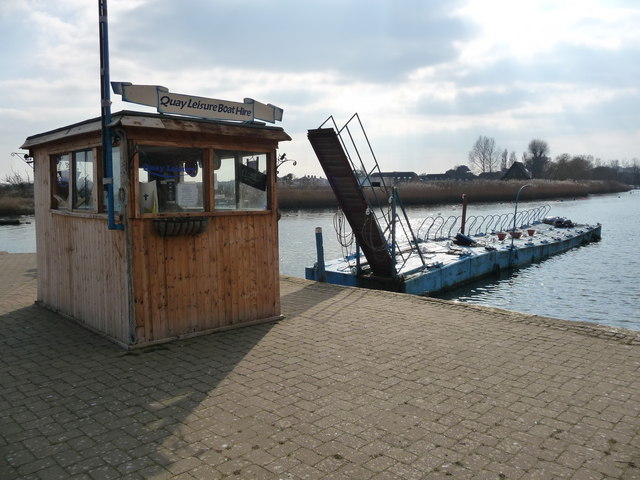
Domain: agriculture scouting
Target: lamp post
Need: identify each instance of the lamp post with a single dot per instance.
(283, 159)
(24, 157)
(515, 214)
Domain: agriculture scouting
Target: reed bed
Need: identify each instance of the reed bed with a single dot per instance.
(428, 193)
(13, 206)
(451, 191)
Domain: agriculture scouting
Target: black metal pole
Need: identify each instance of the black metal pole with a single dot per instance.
(465, 200)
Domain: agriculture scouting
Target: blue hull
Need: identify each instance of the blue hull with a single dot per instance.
(472, 264)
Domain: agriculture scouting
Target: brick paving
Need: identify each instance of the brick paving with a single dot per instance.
(352, 384)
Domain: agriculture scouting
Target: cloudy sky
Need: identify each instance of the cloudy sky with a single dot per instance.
(427, 77)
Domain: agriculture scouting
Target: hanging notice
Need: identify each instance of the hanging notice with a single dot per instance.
(187, 194)
(253, 178)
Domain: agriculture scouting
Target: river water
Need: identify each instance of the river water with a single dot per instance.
(596, 283)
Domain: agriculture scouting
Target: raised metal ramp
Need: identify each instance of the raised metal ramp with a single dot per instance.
(337, 168)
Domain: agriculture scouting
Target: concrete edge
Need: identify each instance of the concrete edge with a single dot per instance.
(617, 334)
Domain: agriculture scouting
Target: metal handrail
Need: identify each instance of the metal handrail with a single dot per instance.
(435, 227)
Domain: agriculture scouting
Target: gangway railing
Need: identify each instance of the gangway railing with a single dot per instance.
(384, 202)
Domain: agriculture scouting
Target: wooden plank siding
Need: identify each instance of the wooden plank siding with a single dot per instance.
(81, 263)
(223, 277)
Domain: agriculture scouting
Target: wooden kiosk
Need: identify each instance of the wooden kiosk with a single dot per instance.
(196, 248)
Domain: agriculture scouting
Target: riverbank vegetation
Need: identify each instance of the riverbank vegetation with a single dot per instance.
(495, 176)
(16, 195)
(451, 191)
(18, 199)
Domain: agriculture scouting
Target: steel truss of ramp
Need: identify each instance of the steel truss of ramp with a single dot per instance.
(373, 209)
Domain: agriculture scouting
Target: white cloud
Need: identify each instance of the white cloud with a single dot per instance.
(426, 77)
(521, 30)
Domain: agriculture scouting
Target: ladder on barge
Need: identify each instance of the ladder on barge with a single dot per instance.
(373, 209)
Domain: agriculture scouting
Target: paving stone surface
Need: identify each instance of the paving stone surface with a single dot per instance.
(352, 384)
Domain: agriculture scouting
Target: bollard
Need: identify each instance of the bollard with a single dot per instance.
(465, 200)
(321, 274)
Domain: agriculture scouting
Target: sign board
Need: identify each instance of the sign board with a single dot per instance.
(253, 178)
(203, 107)
(193, 106)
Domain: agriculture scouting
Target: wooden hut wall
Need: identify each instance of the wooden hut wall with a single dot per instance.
(81, 263)
(223, 277)
(227, 275)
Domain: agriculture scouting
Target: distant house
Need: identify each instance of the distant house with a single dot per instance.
(429, 177)
(461, 172)
(391, 178)
(490, 175)
(517, 171)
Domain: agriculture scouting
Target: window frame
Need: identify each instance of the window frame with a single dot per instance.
(207, 179)
(136, 167)
(75, 191)
(241, 191)
(97, 188)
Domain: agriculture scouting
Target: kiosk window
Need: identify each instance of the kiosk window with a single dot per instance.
(240, 180)
(83, 180)
(73, 181)
(170, 179)
(60, 182)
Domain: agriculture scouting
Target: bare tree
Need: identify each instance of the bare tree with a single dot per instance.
(512, 158)
(560, 169)
(483, 157)
(20, 182)
(503, 159)
(17, 179)
(537, 158)
(581, 166)
(538, 148)
(635, 171)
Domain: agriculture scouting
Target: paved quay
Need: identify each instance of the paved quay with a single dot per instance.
(352, 384)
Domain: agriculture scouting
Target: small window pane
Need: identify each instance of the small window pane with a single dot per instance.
(83, 180)
(253, 181)
(225, 181)
(60, 187)
(170, 179)
(240, 180)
